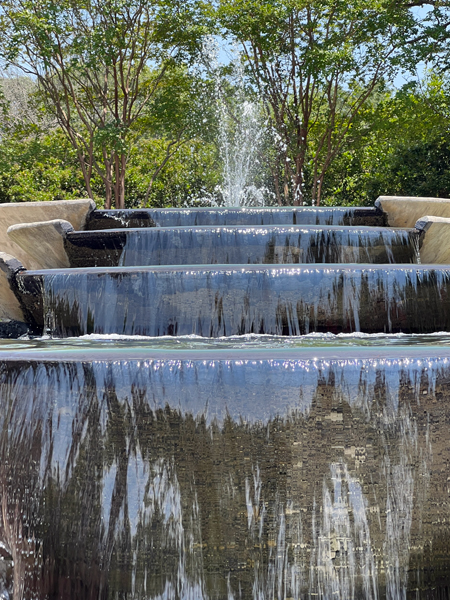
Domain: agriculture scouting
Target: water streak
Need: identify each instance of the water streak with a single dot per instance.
(188, 217)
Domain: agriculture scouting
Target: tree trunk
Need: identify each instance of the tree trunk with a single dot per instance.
(121, 182)
(86, 174)
(108, 185)
(116, 180)
(276, 180)
(286, 193)
(319, 191)
(108, 195)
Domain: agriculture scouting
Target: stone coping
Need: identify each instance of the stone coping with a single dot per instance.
(43, 242)
(405, 211)
(435, 239)
(74, 211)
(10, 307)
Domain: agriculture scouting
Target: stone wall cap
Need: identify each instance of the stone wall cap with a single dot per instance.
(424, 223)
(12, 205)
(381, 199)
(9, 264)
(63, 227)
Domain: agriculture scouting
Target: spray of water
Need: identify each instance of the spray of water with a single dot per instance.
(241, 132)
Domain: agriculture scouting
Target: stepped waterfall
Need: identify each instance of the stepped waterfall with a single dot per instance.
(227, 404)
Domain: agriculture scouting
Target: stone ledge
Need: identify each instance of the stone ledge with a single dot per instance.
(74, 211)
(404, 211)
(10, 308)
(435, 240)
(43, 242)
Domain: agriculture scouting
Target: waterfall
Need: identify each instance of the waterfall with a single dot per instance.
(225, 300)
(270, 244)
(239, 404)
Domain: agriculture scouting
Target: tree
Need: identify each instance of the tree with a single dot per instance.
(173, 120)
(37, 162)
(398, 145)
(99, 64)
(315, 63)
(417, 149)
(19, 110)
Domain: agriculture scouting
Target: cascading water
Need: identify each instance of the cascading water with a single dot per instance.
(243, 216)
(235, 300)
(237, 465)
(270, 245)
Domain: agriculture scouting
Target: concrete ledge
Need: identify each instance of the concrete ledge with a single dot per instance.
(404, 211)
(435, 242)
(10, 308)
(74, 211)
(43, 243)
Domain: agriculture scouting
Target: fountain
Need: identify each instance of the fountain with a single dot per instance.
(224, 426)
(240, 129)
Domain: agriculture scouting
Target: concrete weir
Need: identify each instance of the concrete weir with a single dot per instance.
(224, 216)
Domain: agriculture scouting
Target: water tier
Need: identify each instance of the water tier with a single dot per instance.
(232, 300)
(188, 217)
(275, 244)
(224, 474)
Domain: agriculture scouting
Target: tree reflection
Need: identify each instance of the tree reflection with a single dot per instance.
(108, 491)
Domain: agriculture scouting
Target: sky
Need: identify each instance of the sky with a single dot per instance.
(403, 78)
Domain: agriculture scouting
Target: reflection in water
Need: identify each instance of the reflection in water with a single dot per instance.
(214, 478)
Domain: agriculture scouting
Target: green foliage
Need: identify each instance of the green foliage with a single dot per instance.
(99, 65)
(39, 169)
(183, 102)
(398, 146)
(46, 168)
(192, 175)
(420, 170)
(315, 64)
(117, 93)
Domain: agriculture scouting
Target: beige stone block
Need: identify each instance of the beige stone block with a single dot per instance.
(435, 243)
(404, 211)
(73, 211)
(43, 243)
(9, 304)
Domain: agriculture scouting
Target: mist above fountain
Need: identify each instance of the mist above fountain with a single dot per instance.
(239, 144)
